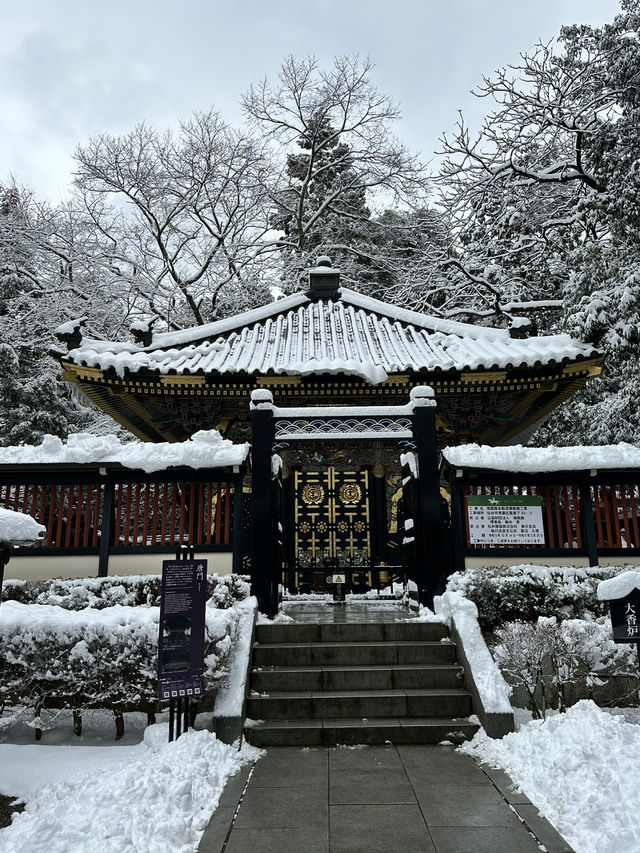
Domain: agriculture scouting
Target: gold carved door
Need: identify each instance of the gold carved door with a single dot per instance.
(332, 519)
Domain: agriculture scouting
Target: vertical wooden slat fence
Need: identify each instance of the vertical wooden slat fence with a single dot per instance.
(157, 514)
(584, 515)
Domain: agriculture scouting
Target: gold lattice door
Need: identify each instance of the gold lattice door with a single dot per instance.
(332, 519)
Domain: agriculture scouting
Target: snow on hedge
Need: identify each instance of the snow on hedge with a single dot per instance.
(463, 614)
(205, 449)
(533, 460)
(18, 528)
(104, 654)
(159, 796)
(581, 769)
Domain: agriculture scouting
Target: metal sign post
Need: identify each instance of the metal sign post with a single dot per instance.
(181, 636)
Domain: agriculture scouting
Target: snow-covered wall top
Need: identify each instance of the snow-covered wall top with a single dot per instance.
(531, 460)
(205, 449)
(17, 528)
(354, 335)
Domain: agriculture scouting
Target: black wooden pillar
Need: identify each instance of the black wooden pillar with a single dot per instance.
(588, 525)
(106, 531)
(428, 525)
(263, 553)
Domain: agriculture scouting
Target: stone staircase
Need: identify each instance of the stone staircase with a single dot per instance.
(356, 683)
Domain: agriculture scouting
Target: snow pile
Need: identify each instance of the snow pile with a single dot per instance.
(18, 528)
(231, 693)
(618, 587)
(158, 798)
(205, 449)
(580, 769)
(462, 614)
(532, 460)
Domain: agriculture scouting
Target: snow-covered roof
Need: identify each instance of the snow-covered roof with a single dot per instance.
(205, 449)
(532, 460)
(17, 528)
(618, 587)
(354, 334)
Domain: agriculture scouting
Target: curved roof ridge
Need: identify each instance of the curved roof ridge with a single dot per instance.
(415, 318)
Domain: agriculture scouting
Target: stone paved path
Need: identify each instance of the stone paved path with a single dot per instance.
(387, 799)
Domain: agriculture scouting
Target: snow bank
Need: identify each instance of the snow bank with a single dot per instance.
(158, 798)
(532, 460)
(231, 693)
(462, 615)
(205, 449)
(581, 770)
(18, 528)
(618, 587)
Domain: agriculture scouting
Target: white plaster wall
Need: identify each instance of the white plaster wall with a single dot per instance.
(86, 566)
(582, 562)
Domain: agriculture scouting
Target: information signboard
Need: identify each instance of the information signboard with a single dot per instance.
(505, 520)
(181, 638)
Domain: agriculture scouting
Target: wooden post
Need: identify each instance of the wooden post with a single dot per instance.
(458, 527)
(237, 525)
(262, 550)
(588, 524)
(428, 524)
(106, 531)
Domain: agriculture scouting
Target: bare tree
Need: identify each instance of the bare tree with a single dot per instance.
(177, 218)
(341, 162)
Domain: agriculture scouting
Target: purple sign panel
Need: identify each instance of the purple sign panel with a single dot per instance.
(181, 640)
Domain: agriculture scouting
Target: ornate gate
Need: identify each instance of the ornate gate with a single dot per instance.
(332, 519)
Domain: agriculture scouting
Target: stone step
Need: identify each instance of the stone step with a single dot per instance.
(333, 732)
(355, 677)
(353, 654)
(352, 632)
(360, 704)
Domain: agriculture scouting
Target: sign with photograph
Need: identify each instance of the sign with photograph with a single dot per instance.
(505, 520)
(181, 637)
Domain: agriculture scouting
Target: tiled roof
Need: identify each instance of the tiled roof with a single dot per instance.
(354, 335)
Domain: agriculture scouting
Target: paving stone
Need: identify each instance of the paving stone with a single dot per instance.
(282, 808)
(440, 765)
(505, 785)
(364, 758)
(464, 805)
(278, 840)
(216, 833)
(378, 829)
(543, 830)
(235, 786)
(366, 787)
(483, 839)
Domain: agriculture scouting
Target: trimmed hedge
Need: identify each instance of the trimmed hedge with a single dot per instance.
(507, 594)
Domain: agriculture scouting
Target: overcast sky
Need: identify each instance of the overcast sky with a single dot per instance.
(73, 68)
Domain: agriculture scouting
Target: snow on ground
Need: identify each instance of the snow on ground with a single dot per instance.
(581, 770)
(149, 798)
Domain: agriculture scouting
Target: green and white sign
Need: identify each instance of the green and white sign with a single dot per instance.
(505, 520)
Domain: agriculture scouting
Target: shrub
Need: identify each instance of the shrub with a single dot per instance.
(525, 592)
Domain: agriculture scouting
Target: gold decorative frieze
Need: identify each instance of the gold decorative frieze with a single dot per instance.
(277, 381)
(483, 378)
(173, 381)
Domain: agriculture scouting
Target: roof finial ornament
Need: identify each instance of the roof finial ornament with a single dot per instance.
(324, 281)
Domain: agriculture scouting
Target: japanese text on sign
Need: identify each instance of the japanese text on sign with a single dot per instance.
(505, 520)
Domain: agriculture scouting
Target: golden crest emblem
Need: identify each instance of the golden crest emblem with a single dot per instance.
(350, 493)
(313, 493)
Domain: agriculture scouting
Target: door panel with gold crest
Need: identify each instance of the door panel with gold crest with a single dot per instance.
(331, 518)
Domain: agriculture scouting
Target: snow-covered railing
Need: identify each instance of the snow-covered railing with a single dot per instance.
(97, 497)
(587, 500)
